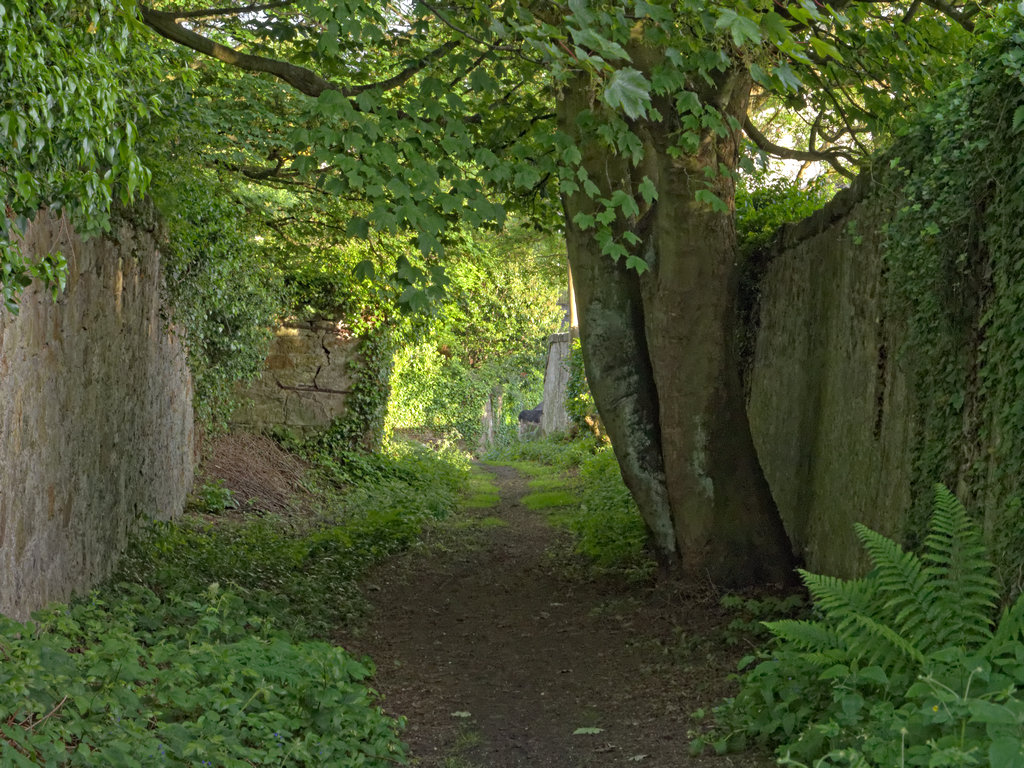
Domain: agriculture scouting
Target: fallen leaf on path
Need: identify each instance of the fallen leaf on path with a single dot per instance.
(587, 731)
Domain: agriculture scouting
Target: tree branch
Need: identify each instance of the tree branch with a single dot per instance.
(203, 13)
(165, 23)
(963, 18)
(830, 156)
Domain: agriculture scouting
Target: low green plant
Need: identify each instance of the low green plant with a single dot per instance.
(164, 667)
(305, 576)
(557, 450)
(750, 613)
(908, 666)
(548, 483)
(127, 678)
(212, 498)
(607, 524)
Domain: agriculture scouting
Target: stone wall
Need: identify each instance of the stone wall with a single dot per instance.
(95, 414)
(306, 379)
(830, 406)
(556, 381)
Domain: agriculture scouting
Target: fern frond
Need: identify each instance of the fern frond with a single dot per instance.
(836, 597)
(961, 573)
(882, 645)
(902, 580)
(805, 635)
(852, 610)
(1010, 628)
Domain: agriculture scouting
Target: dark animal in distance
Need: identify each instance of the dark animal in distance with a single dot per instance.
(532, 416)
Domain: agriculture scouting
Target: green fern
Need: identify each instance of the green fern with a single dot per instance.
(910, 605)
(961, 573)
(904, 666)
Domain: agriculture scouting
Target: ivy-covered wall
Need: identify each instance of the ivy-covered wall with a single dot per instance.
(95, 413)
(889, 339)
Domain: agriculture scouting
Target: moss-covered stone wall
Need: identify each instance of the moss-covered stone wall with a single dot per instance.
(830, 404)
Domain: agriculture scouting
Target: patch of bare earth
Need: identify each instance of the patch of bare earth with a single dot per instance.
(497, 655)
(261, 475)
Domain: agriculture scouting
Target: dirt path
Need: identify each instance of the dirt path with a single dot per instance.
(496, 656)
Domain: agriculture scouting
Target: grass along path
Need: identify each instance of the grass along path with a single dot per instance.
(501, 654)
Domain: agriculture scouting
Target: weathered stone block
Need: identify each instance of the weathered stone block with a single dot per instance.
(306, 378)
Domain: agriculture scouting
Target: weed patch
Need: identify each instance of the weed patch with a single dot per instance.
(127, 678)
(558, 482)
(552, 450)
(911, 665)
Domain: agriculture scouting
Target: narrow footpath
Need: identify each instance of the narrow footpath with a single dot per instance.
(500, 657)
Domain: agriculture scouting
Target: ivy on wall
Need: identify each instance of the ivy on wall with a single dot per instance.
(75, 92)
(223, 295)
(362, 425)
(955, 259)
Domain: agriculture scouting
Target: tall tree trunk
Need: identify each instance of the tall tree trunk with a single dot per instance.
(617, 363)
(660, 356)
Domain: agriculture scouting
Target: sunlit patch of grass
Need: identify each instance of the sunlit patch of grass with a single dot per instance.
(550, 499)
(549, 483)
(531, 468)
(481, 492)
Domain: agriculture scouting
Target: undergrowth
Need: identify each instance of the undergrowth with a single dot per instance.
(911, 665)
(201, 650)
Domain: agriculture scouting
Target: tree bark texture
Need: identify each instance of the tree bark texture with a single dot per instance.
(660, 355)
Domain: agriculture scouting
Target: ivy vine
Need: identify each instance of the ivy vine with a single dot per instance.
(956, 273)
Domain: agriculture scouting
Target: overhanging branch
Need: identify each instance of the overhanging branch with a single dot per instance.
(165, 24)
(205, 13)
(830, 156)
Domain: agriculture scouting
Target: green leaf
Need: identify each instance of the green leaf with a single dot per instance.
(786, 76)
(587, 731)
(708, 197)
(990, 713)
(825, 49)
(647, 190)
(481, 81)
(357, 227)
(688, 101)
(607, 49)
(583, 220)
(636, 263)
(1006, 752)
(630, 91)
(1018, 119)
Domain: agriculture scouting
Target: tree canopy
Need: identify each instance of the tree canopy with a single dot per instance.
(622, 125)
